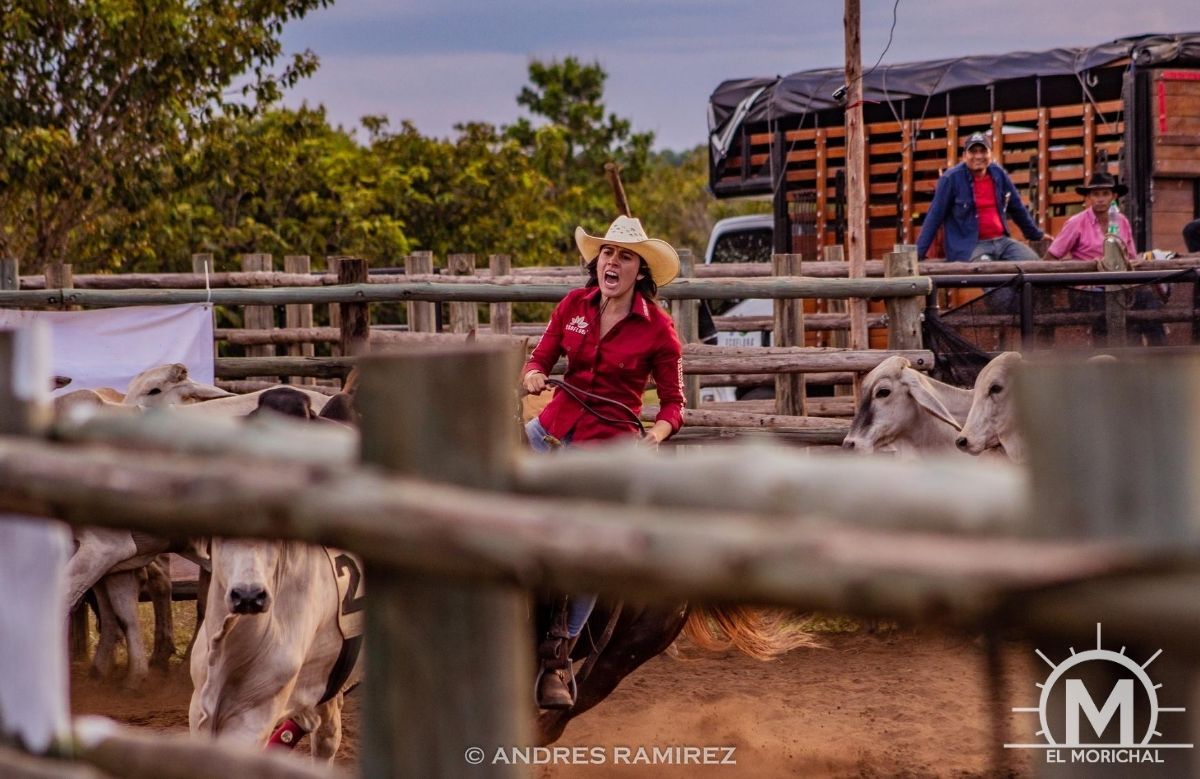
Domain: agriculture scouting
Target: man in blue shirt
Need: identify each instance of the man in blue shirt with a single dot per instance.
(973, 200)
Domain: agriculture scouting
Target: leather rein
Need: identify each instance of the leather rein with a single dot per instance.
(578, 395)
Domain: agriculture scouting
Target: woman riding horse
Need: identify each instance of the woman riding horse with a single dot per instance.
(615, 337)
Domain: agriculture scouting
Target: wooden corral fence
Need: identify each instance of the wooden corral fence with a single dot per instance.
(455, 527)
(352, 289)
(347, 290)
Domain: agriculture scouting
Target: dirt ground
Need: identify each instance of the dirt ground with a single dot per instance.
(902, 704)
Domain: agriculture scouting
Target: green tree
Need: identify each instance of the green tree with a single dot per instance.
(97, 96)
(478, 193)
(576, 137)
(283, 182)
(674, 201)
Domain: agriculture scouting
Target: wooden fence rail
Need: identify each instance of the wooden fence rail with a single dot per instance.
(960, 541)
(481, 292)
(698, 359)
(563, 274)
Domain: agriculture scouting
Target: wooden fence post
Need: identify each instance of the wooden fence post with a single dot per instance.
(200, 260)
(335, 312)
(500, 314)
(451, 660)
(839, 339)
(464, 317)
(61, 275)
(202, 264)
(789, 331)
(298, 314)
(421, 315)
(1113, 454)
(355, 317)
(10, 273)
(904, 314)
(33, 557)
(259, 317)
(687, 325)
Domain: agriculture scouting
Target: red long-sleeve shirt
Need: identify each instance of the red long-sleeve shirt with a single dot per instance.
(618, 366)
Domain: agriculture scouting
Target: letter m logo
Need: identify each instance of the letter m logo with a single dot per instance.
(1078, 698)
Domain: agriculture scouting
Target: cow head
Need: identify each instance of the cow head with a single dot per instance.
(246, 571)
(992, 422)
(169, 385)
(894, 396)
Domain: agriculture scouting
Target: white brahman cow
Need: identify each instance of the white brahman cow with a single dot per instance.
(992, 422)
(905, 411)
(279, 643)
(117, 596)
(168, 385)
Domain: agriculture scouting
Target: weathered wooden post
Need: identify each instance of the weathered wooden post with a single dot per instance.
(839, 338)
(451, 660)
(687, 325)
(297, 315)
(464, 317)
(332, 263)
(1116, 299)
(61, 275)
(258, 317)
(10, 273)
(33, 555)
(904, 314)
(1114, 449)
(789, 331)
(421, 315)
(500, 314)
(202, 264)
(355, 318)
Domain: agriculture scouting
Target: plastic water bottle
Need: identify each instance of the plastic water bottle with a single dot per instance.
(1113, 213)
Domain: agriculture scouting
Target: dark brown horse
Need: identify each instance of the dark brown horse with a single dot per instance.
(618, 638)
(642, 632)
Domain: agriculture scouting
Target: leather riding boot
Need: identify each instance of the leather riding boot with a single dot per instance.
(555, 687)
(556, 680)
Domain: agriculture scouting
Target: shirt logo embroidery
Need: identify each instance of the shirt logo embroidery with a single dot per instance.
(578, 325)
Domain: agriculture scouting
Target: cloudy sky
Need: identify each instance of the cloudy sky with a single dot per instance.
(440, 62)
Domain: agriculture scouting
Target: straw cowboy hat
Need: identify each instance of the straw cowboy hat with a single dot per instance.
(627, 233)
(1102, 181)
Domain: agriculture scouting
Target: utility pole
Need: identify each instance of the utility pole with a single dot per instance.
(856, 190)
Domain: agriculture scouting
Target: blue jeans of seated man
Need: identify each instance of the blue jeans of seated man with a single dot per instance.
(1003, 249)
(579, 607)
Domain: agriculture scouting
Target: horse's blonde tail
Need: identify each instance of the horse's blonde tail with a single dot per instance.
(760, 633)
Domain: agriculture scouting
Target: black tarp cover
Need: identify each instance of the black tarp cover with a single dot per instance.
(812, 90)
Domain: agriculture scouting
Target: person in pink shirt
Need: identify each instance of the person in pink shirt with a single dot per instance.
(615, 337)
(1082, 237)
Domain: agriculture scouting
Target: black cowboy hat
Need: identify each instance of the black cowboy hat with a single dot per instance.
(1102, 181)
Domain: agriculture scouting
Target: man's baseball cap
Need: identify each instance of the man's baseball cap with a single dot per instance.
(982, 139)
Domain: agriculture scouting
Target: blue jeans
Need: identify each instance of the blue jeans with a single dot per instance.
(579, 607)
(1003, 249)
(536, 433)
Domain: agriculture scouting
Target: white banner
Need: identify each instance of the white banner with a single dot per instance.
(108, 347)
